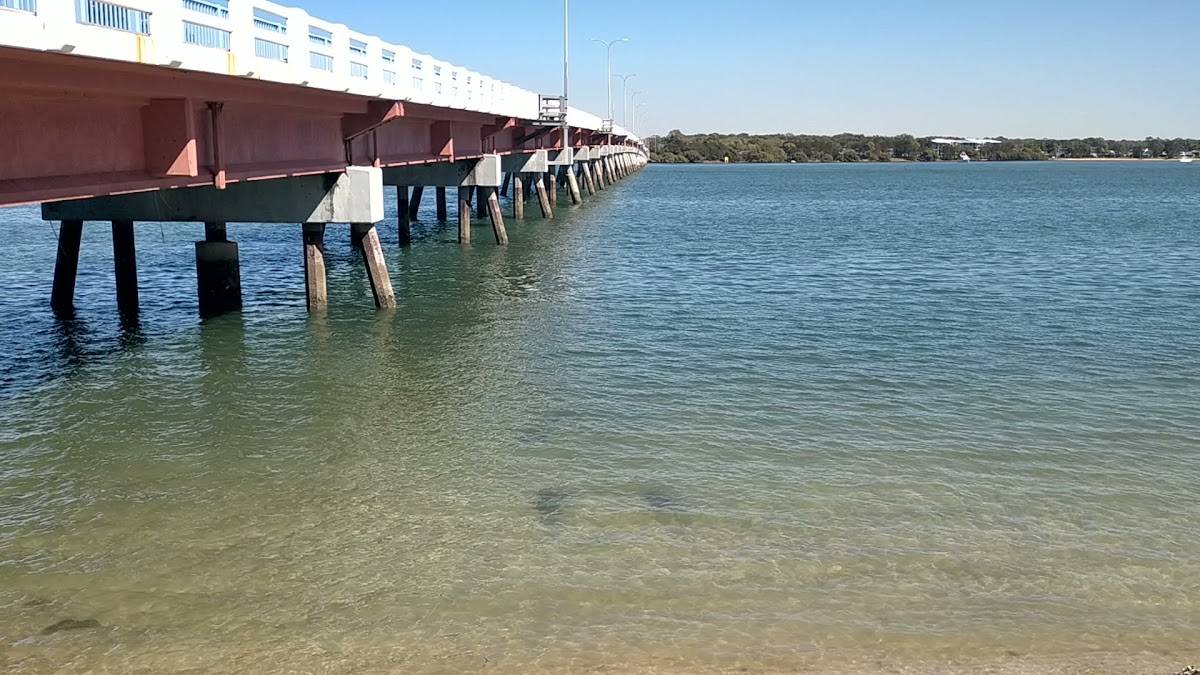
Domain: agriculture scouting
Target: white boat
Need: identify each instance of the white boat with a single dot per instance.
(964, 157)
(1185, 158)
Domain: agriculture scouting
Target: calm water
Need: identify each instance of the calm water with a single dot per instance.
(769, 417)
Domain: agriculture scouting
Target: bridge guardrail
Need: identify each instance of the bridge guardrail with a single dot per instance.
(262, 39)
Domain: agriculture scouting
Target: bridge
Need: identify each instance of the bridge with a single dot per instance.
(229, 111)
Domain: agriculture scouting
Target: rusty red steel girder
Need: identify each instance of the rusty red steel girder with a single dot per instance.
(78, 127)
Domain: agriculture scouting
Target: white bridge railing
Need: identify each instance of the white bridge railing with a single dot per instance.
(260, 39)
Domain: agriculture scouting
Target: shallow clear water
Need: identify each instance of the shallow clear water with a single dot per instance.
(766, 417)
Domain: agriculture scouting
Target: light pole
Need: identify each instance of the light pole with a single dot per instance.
(634, 96)
(566, 130)
(608, 45)
(624, 98)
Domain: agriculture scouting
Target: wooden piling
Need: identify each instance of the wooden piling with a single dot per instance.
(66, 266)
(518, 201)
(504, 184)
(481, 206)
(544, 197)
(404, 223)
(314, 266)
(573, 186)
(464, 215)
(125, 265)
(588, 181)
(497, 216)
(414, 202)
(441, 204)
(377, 273)
(218, 272)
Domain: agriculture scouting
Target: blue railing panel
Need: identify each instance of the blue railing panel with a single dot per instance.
(205, 36)
(218, 8)
(320, 61)
(270, 21)
(22, 5)
(265, 49)
(108, 15)
(320, 36)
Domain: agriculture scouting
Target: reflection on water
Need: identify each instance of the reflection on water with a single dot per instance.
(774, 418)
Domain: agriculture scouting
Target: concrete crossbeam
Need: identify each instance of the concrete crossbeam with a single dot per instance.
(355, 196)
(522, 163)
(562, 157)
(482, 172)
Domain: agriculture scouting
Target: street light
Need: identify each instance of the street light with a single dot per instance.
(566, 130)
(624, 99)
(634, 96)
(608, 45)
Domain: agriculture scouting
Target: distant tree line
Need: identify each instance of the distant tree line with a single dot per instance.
(677, 147)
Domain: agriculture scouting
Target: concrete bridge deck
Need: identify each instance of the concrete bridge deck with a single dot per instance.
(219, 111)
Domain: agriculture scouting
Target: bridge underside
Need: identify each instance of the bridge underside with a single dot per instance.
(81, 127)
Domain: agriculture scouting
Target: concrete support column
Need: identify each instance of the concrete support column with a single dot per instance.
(125, 265)
(314, 266)
(489, 197)
(518, 200)
(414, 202)
(598, 170)
(552, 176)
(544, 197)
(441, 204)
(66, 266)
(404, 223)
(573, 186)
(218, 272)
(377, 273)
(504, 185)
(464, 215)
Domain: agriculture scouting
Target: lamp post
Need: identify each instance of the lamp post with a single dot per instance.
(608, 45)
(634, 96)
(624, 98)
(566, 130)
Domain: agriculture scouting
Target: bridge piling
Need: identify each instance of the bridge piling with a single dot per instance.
(573, 186)
(518, 200)
(441, 203)
(544, 197)
(377, 273)
(464, 215)
(218, 272)
(404, 223)
(481, 205)
(414, 202)
(497, 216)
(66, 266)
(314, 267)
(125, 266)
(588, 181)
(552, 176)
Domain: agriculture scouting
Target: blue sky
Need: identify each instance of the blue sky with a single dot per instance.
(1012, 67)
